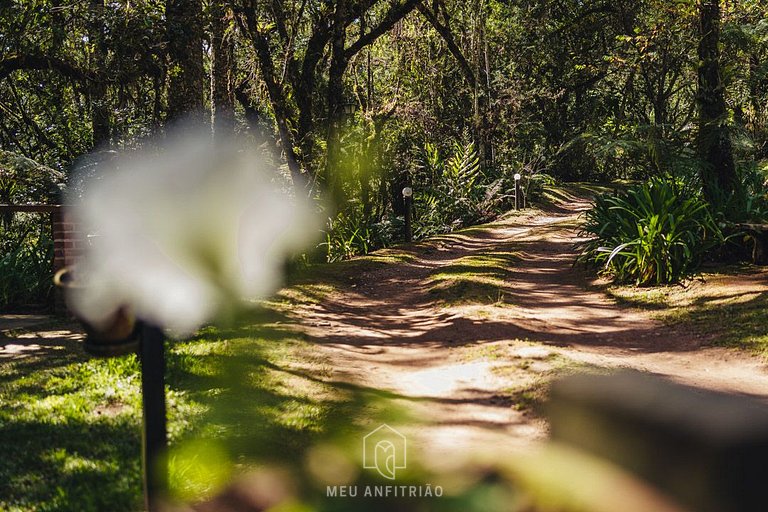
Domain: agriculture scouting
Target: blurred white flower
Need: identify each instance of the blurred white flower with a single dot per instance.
(184, 232)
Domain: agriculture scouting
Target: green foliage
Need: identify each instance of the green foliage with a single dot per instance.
(749, 201)
(453, 192)
(461, 180)
(536, 184)
(26, 246)
(26, 253)
(449, 193)
(349, 233)
(23, 180)
(747, 204)
(650, 234)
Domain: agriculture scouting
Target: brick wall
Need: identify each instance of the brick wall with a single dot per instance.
(68, 240)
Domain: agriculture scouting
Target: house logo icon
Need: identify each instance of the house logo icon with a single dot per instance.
(384, 449)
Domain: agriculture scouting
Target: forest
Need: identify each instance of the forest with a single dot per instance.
(584, 173)
(358, 99)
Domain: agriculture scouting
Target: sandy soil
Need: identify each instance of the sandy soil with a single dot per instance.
(460, 370)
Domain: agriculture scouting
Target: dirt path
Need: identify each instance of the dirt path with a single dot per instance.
(467, 372)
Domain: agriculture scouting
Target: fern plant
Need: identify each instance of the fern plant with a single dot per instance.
(455, 191)
(462, 174)
(347, 235)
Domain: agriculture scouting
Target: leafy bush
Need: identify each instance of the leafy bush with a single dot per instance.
(454, 192)
(349, 233)
(462, 184)
(747, 204)
(26, 246)
(449, 193)
(749, 201)
(653, 233)
(25, 265)
(23, 180)
(536, 184)
(431, 219)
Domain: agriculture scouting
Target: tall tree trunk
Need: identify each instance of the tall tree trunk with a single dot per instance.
(184, 28)
(335, 101)
(304, 90)
(475, 72)
(718, 171)
(222, 109)
(277, 99)
(481, 87)
(97, 89)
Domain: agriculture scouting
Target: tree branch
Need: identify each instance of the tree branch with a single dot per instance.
(276, 94)
(41, 62)
(447, 36)
(395, 14)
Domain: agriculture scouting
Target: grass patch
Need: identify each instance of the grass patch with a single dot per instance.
(70, 427)
(731, 306)
(341, 273)
(476, 279)
(533, 378)
(69, 432)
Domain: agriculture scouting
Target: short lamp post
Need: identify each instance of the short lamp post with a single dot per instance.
(125, 335)
(517, 191)
(408, 200)
(155, 433)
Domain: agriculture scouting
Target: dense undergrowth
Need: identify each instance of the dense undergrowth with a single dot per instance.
(26, 245)
(449, 193)
(662, 230)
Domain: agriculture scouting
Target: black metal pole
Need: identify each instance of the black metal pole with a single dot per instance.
(408, 229)
(154, 438)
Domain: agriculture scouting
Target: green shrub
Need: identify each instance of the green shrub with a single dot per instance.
(462, 184)
(349, 233)
(653, 233)
(26, 247)
(430, 215)
(25, 181)
(454, 192)
(26, 275)
(749, 201)
(451, 191)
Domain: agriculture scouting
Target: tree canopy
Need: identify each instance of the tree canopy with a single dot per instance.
(356, 96)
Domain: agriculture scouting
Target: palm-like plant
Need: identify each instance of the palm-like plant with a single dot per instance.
(653, 233)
